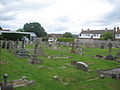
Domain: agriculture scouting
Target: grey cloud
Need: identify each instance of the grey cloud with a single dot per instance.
(63, 19)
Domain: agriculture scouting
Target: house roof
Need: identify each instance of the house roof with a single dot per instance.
(31, 33)
(96, 31)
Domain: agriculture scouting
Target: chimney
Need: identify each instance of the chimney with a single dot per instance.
(114, 28)
(117, 28)
(82, 30)
(105, 29)
(88, 29)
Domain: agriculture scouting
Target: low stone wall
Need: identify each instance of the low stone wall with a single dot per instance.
(90, 43)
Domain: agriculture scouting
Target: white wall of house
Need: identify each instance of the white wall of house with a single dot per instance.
(117, 36)
(90, 35)
(96, 36)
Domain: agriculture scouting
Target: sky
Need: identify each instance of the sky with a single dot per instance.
(60, 16)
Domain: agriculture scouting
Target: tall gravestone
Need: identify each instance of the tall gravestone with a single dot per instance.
(33, 58)
(118, 53)
(22, 52)
(73, 47)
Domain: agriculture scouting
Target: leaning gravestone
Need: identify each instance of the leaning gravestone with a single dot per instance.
(82, 66)
(5, 85)
(22, 52)
(110, 57)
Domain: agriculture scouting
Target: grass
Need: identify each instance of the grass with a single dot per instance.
(19, 67)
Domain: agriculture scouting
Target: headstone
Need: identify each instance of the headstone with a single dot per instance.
(102, 45)
(22, 52)
(109, 73)
(73, 48)
(5, 85)
(118, 54)
(82, 66)
(33, 58)
(110, 45)
(110, 57)
(15, 48)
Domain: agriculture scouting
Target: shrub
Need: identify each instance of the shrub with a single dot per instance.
(65, 39)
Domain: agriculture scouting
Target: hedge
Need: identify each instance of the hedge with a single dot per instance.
(65, 39)
(13, 36)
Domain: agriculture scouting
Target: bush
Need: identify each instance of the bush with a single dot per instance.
(65, 39)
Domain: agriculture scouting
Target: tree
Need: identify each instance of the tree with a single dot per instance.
(0, 28)
(68, 35)
(107, 35)
(20, 30)
(36, 28)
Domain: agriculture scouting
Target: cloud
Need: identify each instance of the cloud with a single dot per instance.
(59, 16)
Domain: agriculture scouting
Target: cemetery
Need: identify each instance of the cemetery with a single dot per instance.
(56, 65)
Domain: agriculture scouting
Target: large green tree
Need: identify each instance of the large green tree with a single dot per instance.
(67, 35)
(0, 28)
(107, 35)
(36, 28)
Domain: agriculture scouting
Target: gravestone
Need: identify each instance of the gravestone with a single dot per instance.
(110, 45)
(5, 85)
(102, 45)
(118, 54)
(15, 45)
(82, 66)
(33, 58)
(73, 47)
(109, 73)
(22, 52)
(110, 57)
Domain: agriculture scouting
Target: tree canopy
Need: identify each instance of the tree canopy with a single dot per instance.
(20, 30)
(0, 28)
(107, 35)
(36, 28)
(67, 35)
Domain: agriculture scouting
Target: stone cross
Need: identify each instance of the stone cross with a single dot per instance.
(23, 42)
(110, 47)
(5, 85)
(5, 76)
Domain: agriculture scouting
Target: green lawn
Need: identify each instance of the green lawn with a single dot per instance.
(76, 79)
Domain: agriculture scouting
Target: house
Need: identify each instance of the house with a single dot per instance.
(117, 34)
(95, 34)
(55, 35)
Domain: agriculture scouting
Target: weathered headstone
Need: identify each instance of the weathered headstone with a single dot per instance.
(22, 52)
(110, 45)
(73, 48)
(82, 66)
(118, 54)
(110, 57)
(33, 58)
(102, 45)
(109, 73)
